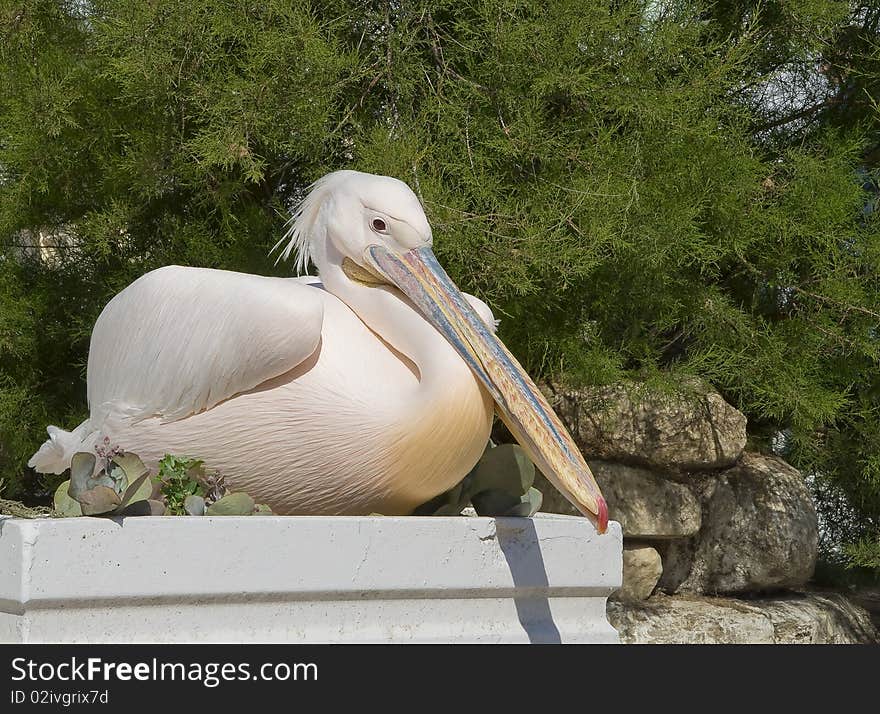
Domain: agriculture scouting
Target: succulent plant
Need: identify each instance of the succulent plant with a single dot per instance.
(119, 485)
(194, 505)
(188, 489)
(499, 485)
(179, 478)
(64, 504)
(232, 504)
(119, 488)
(448, 503)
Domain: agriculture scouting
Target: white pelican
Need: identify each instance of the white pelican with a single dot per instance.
(370, 388)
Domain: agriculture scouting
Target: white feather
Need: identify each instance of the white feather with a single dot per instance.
(483, 310)
(54, 456)
(180, 340)
(301, 231)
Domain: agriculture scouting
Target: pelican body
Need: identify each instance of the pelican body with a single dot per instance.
(370, 388)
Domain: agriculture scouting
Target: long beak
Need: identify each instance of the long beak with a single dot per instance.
(519, 402)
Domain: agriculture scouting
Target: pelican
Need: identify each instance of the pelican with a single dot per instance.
(369, 388)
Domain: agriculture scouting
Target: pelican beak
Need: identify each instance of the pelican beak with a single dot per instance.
(519, 402)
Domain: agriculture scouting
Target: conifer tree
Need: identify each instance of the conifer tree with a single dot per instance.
(642, 189)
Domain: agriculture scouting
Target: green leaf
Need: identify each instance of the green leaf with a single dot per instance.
(125, 470)
(63, 503)
(132, 465)
(137, 508)
(529, 504)
(98, 500)
(178, 478)
(82, 467)
(450, 509)
(494, 502)
(139, 490)
(157, 508)
(102, 479)
(194, 505)
(83, 480)
(505, 468)
(448, 503)
(118, 481)
(233, 504)
(429, 508)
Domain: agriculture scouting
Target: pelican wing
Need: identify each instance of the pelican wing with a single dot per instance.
(180, 340)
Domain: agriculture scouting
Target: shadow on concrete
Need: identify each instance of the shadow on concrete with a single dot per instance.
(519, 543)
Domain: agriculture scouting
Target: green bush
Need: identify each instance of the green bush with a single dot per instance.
(642, 189)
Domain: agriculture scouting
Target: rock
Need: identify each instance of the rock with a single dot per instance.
(869, 598)
(690, 431)
(759, 532)
(801, 618)
(646, 505)
(819, 618)
(692, 621)
(642, 568)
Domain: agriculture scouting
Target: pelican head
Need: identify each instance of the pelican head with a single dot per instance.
(374, 227)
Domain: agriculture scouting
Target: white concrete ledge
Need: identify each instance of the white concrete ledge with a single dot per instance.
(307, 579)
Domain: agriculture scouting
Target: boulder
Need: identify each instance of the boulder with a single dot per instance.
(646, 505)
(691, 621)
(694, 429)
(799, 618)
(759, 532)
(642, 568)
(869, 598)
(819, 618)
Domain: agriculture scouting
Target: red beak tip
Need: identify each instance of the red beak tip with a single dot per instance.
(602, 517)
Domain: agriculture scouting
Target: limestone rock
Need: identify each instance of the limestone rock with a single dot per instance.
(646, 505)
(691, 621)
(759, 532)
(690, 431)
(642, 568)
(869, 598)
(800, 618)
(819, 618)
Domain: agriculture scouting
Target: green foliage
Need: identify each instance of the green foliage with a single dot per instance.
(187, 490)
(194, 505)
(233, 504)
(179, 478)
(864, 554)
(121, 487)
(647, 190)
(66, 506)
(500, 484)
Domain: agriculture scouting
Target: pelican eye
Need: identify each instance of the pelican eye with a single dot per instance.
(379, 225)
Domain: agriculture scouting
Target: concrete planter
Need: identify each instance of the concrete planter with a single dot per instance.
(307, 579)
